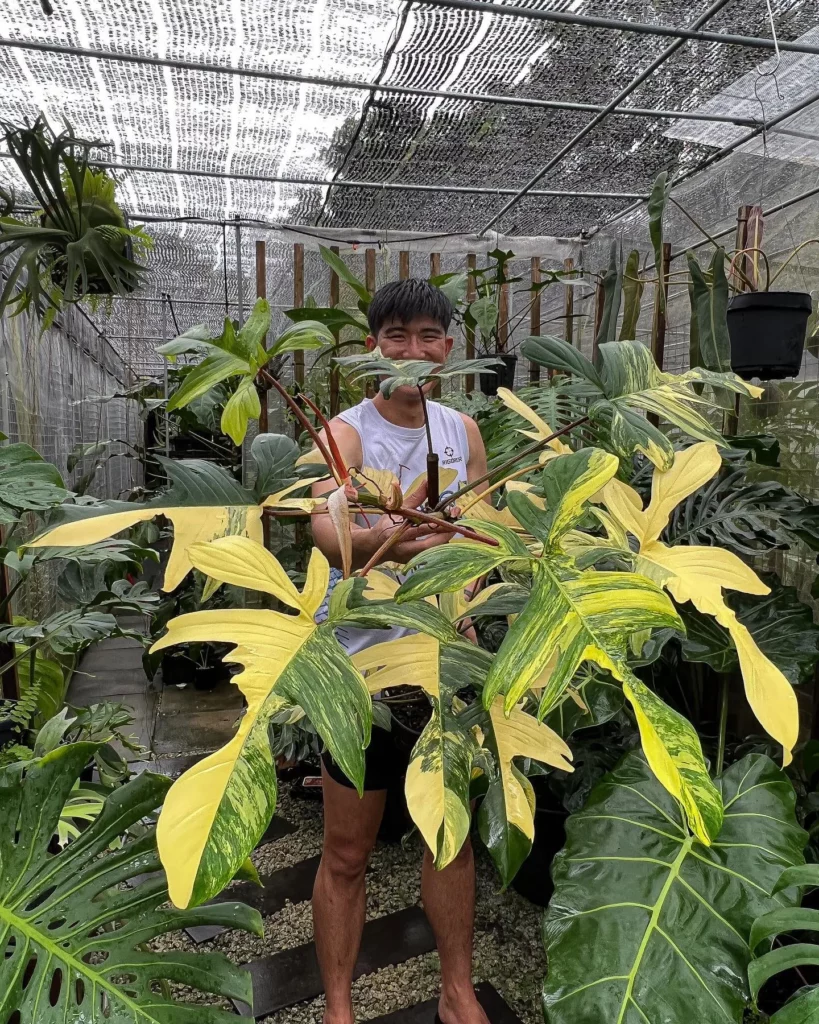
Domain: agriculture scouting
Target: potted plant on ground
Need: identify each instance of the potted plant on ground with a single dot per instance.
(77, 242)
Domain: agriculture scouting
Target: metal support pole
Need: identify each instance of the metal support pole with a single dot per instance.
(619, 25)
(633, 85)
(298, 302)
(165, 378)
(240, 285)
(370, 87)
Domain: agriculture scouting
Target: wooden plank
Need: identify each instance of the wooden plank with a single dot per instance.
(434, 264)
(403, 265)
(753, 240)
(490, 999)
(369, 281)
(534, 317)
(469, 332)
(335, 293)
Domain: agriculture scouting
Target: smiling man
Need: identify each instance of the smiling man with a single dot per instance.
(408, 320)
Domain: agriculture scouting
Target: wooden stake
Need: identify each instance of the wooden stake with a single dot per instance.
(534, 318)
(568, 305)
(403, 265)
(335, 289)
(503, 318)
(435, 271)
(369, 281)
(298, 302)
(660, 318)
(469, 332)
(264, 424)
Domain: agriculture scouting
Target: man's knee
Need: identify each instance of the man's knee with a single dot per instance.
(345, 859)
(462, 859)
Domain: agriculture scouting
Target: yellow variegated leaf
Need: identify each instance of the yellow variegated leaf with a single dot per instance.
(673, 751)
(625, 505)
(456, 605)
(311, 458)
(542, 429)
(339, 512)
(691, 469)
(280, 499)
(215, 813)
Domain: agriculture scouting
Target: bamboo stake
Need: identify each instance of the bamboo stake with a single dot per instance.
(534, 318)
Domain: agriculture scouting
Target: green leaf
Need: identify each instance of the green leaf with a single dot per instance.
(601, 699)
(557, 354)
(783, 920)
(85, 451)
(250, 339)
(339, 267)
(485, 313)
(666, 918)
(79, 932)
(800, 954)
(195, 339)
(452, 285)
(633, 287)
(27, 482)
(612, 297)
(275, 457)
(331, 317)
(212, 370)
(802, 874)
(660, 191)
(709, 306)
(242, 406)
(802, 1008)
(306, 334)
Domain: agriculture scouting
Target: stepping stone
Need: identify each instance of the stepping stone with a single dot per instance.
(294, 884)
(424, 1013)
(293, 976)
(206, 729)
(187, 699)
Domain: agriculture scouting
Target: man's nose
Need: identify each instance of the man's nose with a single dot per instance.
(412, 348)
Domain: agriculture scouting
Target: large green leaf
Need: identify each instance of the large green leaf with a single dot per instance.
(780, 624)
(339, 267)
(660, 191)
(27, 482)
(242, 406)
(647, 926)
(275, 457)
(212, 370)
(73, 933)
(633, 286)
(612, 297)
(709, 307)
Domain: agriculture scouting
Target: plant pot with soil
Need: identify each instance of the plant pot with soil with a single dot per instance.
(767, 331)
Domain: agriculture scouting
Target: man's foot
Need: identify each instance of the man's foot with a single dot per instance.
(461, 1008)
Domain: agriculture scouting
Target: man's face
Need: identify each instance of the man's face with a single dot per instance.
(421, 338)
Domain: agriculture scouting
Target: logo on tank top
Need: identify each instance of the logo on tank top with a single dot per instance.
(450, 451)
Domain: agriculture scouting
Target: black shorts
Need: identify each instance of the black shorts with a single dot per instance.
(385, 760)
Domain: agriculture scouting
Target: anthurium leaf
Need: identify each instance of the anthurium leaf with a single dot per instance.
(216, 812)
(242, 406)
(782, 920)
(213, 369)
(801, 875)
(633, 286)
(275, 457)
(800, 954)
(203, 501)
(612, 297)
(571, 617)
(660, 191)
(79, 933)
(557, 354)
(506, 816)
(339, 267)
(655, 905)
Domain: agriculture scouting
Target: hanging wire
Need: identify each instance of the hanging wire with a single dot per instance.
(757, 81)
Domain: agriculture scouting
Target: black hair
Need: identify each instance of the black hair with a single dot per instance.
(402, 301)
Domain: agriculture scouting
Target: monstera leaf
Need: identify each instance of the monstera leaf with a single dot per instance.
(627, 384)
(73, 932)
(216, 812)
(700, 574)
(203, 502)
(666, 918)
(27, 482)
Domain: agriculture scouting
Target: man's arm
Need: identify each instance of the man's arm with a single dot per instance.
(367, 540)
(476, 463)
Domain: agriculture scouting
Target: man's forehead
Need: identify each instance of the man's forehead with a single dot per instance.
(417, 323)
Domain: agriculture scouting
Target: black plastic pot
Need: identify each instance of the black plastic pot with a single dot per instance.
(502, 377)
(534, 879)
(210, 676)
(767, 332)
(9, 732)
(177, 670)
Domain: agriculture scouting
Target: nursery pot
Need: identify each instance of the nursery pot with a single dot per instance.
(207, 677)
(501, 377)
(767, 331)
(534, 879)
(177, 670)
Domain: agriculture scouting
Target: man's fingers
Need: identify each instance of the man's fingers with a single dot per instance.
(417, 498)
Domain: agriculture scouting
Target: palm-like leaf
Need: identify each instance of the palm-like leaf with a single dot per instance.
(72, 933)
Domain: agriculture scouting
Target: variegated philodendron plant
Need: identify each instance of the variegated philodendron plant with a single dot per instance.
(534, 560)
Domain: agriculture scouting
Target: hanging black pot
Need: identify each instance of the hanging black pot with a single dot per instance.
(501, 377)
(767, 331)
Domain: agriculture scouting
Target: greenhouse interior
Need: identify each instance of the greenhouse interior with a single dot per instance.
(409, 532)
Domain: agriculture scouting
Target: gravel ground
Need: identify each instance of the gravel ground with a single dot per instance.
(508, 950)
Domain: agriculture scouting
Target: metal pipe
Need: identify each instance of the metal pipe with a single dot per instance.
(620, 25)
(165, 379)
(387, 186)
(372, 88)
(668, 52)
(240, 285)
(722, 153)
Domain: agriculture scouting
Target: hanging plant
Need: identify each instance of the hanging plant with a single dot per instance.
(76, 243)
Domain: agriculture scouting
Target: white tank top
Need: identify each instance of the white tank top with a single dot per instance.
(403, 450)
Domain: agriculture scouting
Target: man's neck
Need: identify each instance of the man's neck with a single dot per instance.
(402, 410)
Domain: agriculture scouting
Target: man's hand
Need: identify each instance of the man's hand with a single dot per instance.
(414, 539)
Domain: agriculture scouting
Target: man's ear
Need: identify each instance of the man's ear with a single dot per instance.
(449, 342)
(370, 342)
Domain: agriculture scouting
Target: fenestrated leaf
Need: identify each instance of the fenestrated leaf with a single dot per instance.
(74, 935)
(666, 917)
(216, 812)
(506, 816)
(203, 502)
(440, 769)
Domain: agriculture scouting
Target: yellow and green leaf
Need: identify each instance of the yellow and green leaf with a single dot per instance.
(673, 751)
(215, 813)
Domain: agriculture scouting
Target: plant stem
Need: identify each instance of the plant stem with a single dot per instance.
(308, 426)
(7, 599)
(433, 480)
(531, 449)
(393, 538)
(723, 724)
